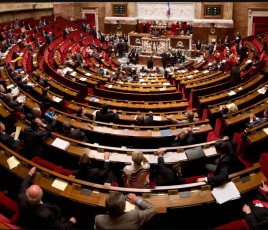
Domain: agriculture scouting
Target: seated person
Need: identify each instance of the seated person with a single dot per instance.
(224, 165)
(37, 214)
(80, 112)
(165, 175)
(60, 70)
(70, 132)
(8, 139)
(256, 121)
(184, 138)
(90, 173)
(11, 103)
(47, 102)
(139, 163)
(116, 216)
(33, 136)
(256, 212)
(100, 71)
(226, 109)
(144, 120)
(104, 115)
(36, 113)
(189, 118)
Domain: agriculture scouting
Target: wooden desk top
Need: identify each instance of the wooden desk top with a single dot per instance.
(123, 155)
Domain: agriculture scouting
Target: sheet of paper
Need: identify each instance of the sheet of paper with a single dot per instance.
(57, 99)
(261, 91)
(82, 79)
(157, 118)
(21, 99)
(59, 184)
(231, 93)
(17, 133)
(61, 144)
(10, 86)
(129, 206)
(265, 130)
(12, 162)
(162, 89)
(88, 74)
(110, 86)
(166, 83)
(226, 193)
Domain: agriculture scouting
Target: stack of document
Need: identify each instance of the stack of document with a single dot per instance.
(226, 193)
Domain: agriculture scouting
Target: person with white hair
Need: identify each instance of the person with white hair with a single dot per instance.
(37, 214)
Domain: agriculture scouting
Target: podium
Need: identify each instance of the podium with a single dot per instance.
(154, 45)
(160, 30)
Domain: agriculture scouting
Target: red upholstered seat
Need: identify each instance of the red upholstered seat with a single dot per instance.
(264, 163)
(192, 179)
(237, 224)
(44, 163)
(63, 171)
(8, 206)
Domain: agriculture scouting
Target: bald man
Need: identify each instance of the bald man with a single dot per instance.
(34, 213)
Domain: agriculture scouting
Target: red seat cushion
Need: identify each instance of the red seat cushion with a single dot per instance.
(237, 224)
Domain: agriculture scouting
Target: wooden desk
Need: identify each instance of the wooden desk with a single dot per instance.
(199, 194)
(239, 90)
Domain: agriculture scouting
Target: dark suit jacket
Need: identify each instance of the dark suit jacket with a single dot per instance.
(166, 175)
(189, 140)
(128, 220)
(94, 175)
(40, 216)
(106, 117)
(9, 141)
(76, 134)
(222, 171)
(235, 76)
(258, 218)
(33, 140)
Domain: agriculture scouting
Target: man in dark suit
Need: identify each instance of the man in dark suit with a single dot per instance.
(49, 38)
(223, 166)
(8, 140)
(9, 100)
(235, 75)
(256, 121)
(256, 213)
(117, 218)
(164, 56)
(243, 52)
(70, 132)
(166, 176)
(88, 173)
(105, 116)
(184, 138)
(35, 213)
(78, 58)
(144, 120)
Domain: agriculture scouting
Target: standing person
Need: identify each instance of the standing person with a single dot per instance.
(164, 56)
(117, 218)
(150, 63)
(235, 75)
(237, 42)
(37, 214)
